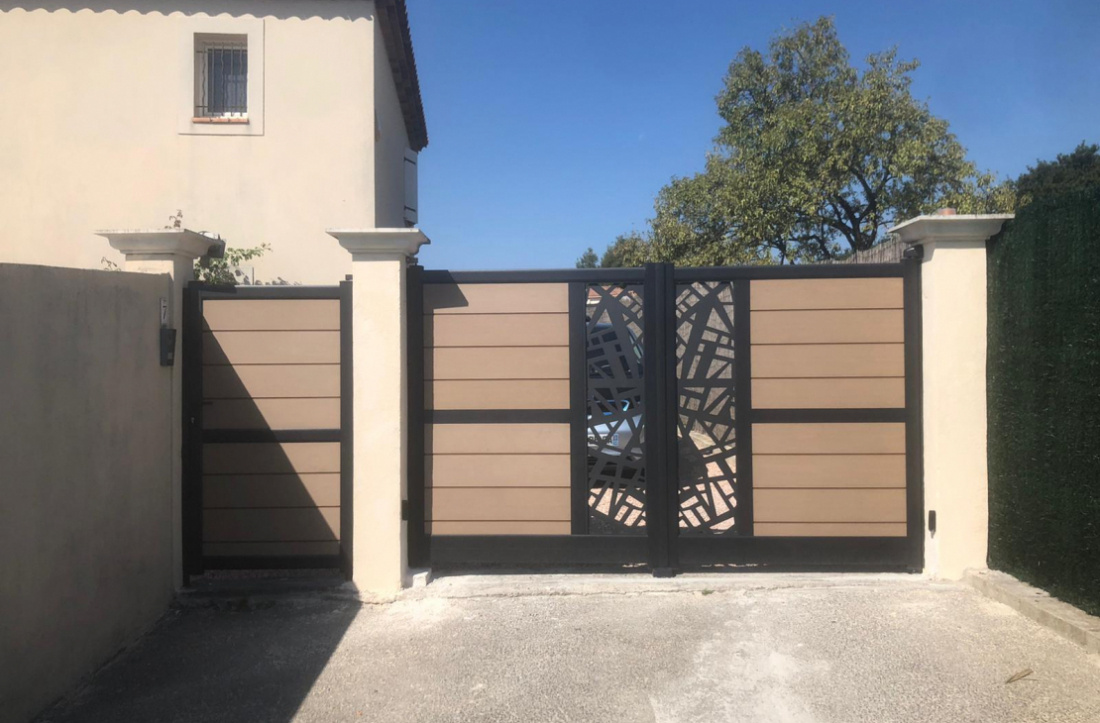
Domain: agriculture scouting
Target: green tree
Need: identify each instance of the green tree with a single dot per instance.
(816, 158)
(1069, 172)
(627, 251)
(588, 260)
(226, 270)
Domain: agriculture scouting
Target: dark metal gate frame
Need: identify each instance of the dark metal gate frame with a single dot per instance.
(194, 294)
(663, 549)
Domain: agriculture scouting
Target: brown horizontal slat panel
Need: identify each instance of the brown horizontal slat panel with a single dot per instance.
(827, 327)
(271, 380)
(271, 549)
(270, 458)
(874, 293)
(828, 360)
(548, 362)
(273, 525)
(849, 393)
(857, 438)
(271, 314)
(465, 330)
(496, 438)
(272, 414)
(271, 347)
(829, 529)
(495, 298)
(828, 505)
(275, 490)
(830, 470)
(497, 394)
(499, 503)
(488, 527)
(497, 470)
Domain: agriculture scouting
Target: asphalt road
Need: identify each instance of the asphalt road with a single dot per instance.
(755, 648)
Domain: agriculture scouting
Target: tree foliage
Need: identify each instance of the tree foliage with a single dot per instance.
(588, 260)
(226, 270)
(815, 159)
(1076, 171)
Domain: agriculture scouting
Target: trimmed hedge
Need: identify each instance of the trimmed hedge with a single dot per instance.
(1044, 397)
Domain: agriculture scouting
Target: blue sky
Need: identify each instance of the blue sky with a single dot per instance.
(553, 125)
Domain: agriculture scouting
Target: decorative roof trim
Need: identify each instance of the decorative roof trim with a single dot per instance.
(393, 20)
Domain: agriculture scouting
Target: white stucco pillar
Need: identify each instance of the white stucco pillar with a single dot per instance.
(380, 258)
(172, 252)
(953, 308)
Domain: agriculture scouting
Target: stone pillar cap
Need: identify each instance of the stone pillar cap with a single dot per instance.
(164, 242)
(387, 242)
(944, 228)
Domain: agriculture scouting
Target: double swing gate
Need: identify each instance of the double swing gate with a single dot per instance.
(748, 416)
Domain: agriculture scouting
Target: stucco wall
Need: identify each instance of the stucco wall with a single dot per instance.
(85, 475)
(94, 131)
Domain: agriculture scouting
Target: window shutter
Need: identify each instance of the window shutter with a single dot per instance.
(410, 187)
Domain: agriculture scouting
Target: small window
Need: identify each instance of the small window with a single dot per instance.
(221, 77)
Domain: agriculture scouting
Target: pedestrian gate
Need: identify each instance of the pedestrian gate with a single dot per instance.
(757, 416)
(266, 422)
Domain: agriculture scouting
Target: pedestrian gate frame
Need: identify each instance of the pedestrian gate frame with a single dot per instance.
(458, 465)
(267, 419)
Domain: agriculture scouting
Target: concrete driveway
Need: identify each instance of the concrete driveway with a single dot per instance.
(627, 648)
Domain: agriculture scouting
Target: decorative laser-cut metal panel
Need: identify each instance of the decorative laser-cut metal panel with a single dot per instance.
(616, 410)
(705, 422)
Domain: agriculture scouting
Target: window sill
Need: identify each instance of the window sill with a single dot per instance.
(220, 121)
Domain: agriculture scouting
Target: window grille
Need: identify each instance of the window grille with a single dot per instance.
(221, 77)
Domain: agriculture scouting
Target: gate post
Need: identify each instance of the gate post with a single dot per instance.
(172, 252)
(953, 330)
(380, 258)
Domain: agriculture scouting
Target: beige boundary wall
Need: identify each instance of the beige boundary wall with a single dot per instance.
(86, 518)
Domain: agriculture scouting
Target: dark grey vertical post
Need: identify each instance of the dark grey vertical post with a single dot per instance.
(191, 492)
(347, 418)
(914, 409)
(661, 452)
(419, 542)
(742, 360)
(578, 407)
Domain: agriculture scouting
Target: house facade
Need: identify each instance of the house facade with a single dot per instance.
(262, 121)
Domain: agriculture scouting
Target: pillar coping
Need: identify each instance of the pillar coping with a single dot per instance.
(950, 229)
(381, 243)
(163, 243)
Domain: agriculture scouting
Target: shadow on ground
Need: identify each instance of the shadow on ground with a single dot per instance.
(218, 658)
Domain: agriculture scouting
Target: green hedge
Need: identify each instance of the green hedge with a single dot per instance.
(1044, 397)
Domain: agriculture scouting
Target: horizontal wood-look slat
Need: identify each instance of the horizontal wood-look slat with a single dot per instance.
(548, 362)
(270, 458)
(271, 347)
(874, 293)
(499, 503)
(280, 490)
(828, 505)
(828, 360)
(497, 470)
(465, 330)
(848, 393)
(843, 438)
(829, 529)
(321, 413)
(271, 549)
(495, 298)
(832, 470)
(271, 314)
(493, 527)
(271, 525)
(827, 327)
(271, 380)
(496, 439)
(497, 394)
